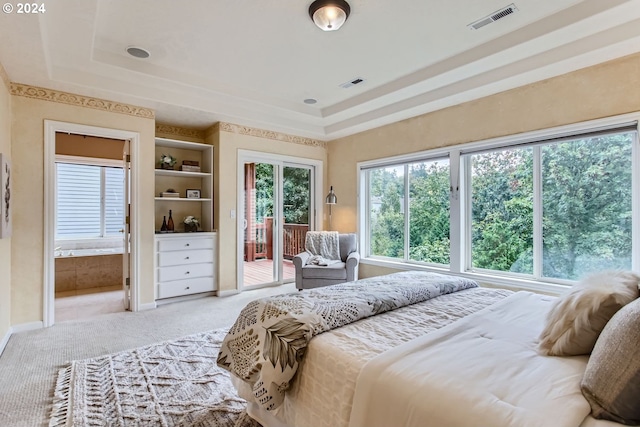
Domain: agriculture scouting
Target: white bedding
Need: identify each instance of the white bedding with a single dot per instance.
(322, 392)
(483, 370)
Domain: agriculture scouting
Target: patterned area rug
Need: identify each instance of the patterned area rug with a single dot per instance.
(174, 383)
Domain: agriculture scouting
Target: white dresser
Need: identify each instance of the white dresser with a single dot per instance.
(185, 264)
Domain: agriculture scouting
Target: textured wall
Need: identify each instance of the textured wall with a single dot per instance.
(5, 244)
(27, 263)
(227, 143)
(604, 90)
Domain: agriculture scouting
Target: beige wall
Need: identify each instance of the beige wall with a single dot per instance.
(88, 146)
(225, 155)
(28, 220)
(604, 90)
(5, 244)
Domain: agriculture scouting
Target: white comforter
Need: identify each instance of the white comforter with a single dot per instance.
(482, 370)
(322, 392)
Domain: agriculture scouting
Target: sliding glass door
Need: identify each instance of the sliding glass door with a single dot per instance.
(277, 213)
(296, 209)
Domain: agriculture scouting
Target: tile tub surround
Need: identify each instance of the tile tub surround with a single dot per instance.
(84, 272)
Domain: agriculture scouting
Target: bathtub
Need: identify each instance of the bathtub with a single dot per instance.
(78, 269)
(86, 252)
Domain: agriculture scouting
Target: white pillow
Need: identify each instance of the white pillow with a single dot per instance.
(576, 318)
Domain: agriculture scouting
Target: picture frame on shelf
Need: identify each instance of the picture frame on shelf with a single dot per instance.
(193, 194)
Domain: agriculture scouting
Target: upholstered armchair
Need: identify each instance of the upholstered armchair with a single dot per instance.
(313, 276)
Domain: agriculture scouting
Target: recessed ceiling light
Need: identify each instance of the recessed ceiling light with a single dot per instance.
(138, 52)
(310, 101)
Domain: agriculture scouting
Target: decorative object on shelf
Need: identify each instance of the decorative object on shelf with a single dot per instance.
(5, 197)
(163, 228)
(170, 222)
(193, 194)
(190, 166)
(167, 161)
(170, 193)
(191, 224)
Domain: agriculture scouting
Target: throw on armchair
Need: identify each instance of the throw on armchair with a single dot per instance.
(313, 276)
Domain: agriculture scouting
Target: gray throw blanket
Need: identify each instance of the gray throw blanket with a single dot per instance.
(269, 339)
(323, 247)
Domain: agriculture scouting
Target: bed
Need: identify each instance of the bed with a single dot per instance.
(450, 354)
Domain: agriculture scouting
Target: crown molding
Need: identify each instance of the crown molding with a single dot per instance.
(268, 134)
(178, 131)
(44, 94)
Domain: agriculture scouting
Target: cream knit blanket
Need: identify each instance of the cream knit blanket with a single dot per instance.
(323, 247)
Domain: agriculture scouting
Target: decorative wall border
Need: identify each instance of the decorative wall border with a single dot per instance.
(79, 100)
(164, 129)
(268, 134)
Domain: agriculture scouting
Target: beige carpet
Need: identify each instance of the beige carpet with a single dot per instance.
(31, 361)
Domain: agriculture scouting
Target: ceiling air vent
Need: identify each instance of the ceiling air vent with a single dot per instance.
(498, 14)
(352, 82)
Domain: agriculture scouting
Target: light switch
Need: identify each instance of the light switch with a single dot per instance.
(232, 213)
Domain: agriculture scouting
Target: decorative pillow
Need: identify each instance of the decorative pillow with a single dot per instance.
(611, 382)
(577, 317)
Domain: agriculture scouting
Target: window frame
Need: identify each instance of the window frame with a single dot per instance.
(98, 241)
(460, 219)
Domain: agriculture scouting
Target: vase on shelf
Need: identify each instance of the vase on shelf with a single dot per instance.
(170, 222)
(190, 228)
(163, 228)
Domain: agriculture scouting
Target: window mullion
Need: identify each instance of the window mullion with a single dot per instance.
(103, 220)
(635, 204)
(406, 213)
(537, 213)
(456, 242)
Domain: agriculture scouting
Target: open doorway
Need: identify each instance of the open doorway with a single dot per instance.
(90, 233)
(118, 218)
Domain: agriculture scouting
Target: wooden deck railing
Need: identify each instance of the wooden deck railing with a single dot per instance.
(294, 236)
(293, 243)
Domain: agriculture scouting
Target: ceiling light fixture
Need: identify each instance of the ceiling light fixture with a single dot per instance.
(329, 15)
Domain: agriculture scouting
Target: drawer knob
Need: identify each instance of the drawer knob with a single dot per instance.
(187, 244)
(188, 287)
(186, 257)
(186, 272)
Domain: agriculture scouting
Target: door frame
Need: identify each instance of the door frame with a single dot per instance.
(248, 156)
(50, 129)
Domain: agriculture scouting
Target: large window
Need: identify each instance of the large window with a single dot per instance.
(409, 211)
(551, 208)
(89, 201)
(502, 210)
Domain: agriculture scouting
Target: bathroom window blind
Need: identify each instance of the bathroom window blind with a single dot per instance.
(89, 201)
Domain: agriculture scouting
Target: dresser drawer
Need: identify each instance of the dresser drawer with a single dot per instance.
(185, 257)
(185, 243)
(185, 287)
(178, 272)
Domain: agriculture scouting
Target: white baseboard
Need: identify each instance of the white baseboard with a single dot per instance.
(24, 327)
(147, 306)
(227, 293)
(5, 340)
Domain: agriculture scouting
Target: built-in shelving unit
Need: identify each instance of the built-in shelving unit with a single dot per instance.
(181, 181)
(185, 262)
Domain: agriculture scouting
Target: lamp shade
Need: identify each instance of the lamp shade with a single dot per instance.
(331, 197)
(329, 15)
